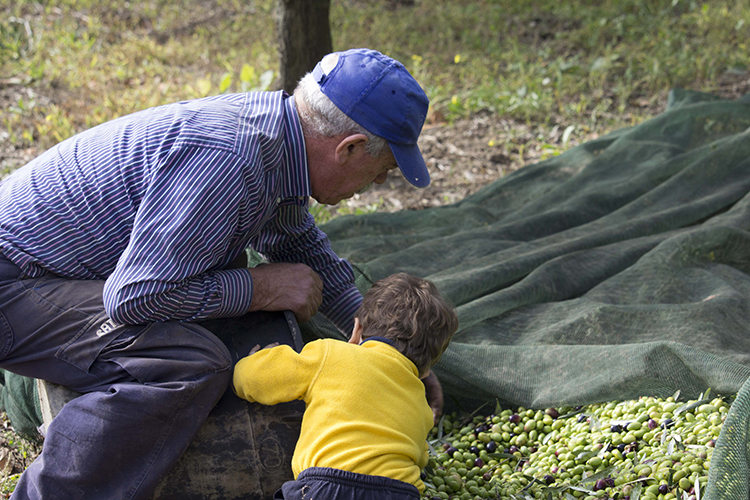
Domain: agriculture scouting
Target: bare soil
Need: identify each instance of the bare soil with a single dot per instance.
(463, 157)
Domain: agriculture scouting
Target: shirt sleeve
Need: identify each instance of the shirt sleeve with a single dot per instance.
(182, 237)
(279, 374)
(294, 237)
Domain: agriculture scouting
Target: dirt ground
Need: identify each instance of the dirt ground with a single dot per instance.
(461, 160)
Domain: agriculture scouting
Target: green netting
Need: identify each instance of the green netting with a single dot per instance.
(20, 401)
(618, 269)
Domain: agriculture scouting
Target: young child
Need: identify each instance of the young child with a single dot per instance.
(364, 430)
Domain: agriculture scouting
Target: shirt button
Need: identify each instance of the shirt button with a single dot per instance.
(278, 201)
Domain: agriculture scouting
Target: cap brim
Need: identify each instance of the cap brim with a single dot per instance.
(411, 164)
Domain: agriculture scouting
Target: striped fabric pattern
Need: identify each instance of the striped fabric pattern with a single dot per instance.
(159, 202)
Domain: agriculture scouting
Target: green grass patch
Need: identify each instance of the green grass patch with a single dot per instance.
(575, 61)
(96, 61)
(595, 65)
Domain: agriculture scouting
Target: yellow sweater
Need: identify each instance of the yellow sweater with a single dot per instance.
(366, 410)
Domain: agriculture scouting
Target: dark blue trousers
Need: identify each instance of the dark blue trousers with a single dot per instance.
(334, 484)
(146, 389)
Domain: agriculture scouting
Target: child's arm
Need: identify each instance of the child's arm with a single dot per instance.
(277, 374)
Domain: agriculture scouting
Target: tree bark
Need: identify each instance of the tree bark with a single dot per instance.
(304, 38)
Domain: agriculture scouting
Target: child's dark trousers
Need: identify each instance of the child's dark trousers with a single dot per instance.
(334, 484)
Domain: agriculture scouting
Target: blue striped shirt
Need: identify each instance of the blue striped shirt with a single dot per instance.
(159, 202)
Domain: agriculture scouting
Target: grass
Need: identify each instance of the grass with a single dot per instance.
(594, 65)
(588, 63)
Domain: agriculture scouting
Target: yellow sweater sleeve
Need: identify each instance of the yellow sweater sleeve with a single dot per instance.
(278, 374)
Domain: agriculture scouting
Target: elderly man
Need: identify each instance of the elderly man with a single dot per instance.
(116, 241)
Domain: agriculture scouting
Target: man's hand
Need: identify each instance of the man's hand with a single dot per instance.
(434, 393)
(282, 286)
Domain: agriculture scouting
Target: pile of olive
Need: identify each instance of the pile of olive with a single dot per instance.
(644, 449)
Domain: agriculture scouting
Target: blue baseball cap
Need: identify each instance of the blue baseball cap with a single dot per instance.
(380, 94)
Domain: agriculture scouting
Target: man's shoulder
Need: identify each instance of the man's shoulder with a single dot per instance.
(238, 123)
(209, 122)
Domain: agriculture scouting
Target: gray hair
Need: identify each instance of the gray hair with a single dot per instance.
(321, 118)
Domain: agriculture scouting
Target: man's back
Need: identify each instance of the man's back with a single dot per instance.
(82, 196)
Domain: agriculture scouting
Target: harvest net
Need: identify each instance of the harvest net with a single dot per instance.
(618, 269)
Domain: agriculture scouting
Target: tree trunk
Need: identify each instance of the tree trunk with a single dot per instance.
(304, 38)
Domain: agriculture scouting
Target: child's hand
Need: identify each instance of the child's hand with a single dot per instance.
(258, 348)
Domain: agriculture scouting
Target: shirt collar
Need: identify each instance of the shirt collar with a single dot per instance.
(381, 339)
(297, 184)
(392, 344)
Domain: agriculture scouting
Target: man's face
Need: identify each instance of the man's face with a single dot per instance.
(356, 171)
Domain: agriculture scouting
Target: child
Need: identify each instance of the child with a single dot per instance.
(366, 420)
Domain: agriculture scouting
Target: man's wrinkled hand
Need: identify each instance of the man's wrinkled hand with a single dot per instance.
(286, 286)
(434, 393)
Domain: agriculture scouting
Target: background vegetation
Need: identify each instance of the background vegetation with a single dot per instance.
(586, 67)
(594, 65)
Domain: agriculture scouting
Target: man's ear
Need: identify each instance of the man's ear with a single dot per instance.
(349, 146)
(356, 337)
